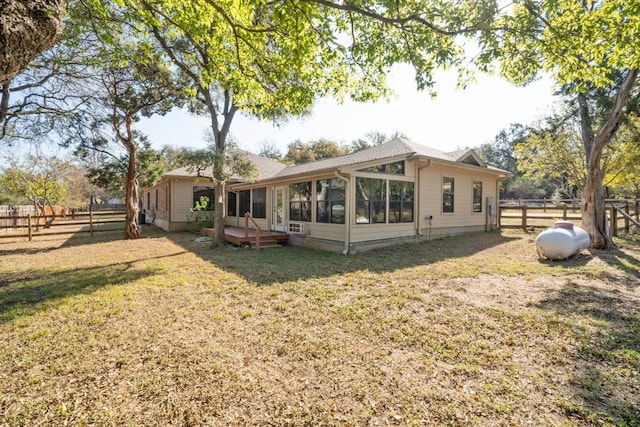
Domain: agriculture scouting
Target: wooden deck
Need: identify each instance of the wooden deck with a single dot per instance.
(238, 236)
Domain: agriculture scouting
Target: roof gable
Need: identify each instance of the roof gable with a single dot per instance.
(468, 156)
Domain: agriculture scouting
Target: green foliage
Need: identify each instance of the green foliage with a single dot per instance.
(202, 204)
(40, 179)
(299, 152)
(232, 163)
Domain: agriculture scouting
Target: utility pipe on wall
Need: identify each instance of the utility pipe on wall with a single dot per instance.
(347, 211)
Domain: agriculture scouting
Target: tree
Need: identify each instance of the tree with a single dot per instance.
(372, 139)
(299, 152)
(27, 27)
(272, 60)
(588, 48)
(270, 151)
(42, 180)
(133, 86)
(37, 104)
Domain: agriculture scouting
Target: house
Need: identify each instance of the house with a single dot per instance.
(395, 192)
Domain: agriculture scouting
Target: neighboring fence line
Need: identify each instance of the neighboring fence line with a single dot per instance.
(31, 226)
(532, 213)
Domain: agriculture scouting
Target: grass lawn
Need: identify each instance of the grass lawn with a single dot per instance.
(473, 330)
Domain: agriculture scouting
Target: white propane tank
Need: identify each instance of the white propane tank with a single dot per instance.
(562, 241)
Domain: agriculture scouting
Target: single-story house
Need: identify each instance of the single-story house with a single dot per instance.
(395, 192)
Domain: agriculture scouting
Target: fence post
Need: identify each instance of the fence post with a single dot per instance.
(524, 217)
(29, 226)
(91, 223)
(564, 211)
(544, 204)
(614, 221)
(636, 210)
(626, 218)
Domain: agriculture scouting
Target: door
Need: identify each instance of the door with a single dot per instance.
(279, 214)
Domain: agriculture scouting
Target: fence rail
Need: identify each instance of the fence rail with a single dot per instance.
(623, 214)
(31, 226)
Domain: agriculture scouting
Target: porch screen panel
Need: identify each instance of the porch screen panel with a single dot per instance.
(300, 201)
(259, 203)
(330, 206)
(371, 200)
(400, 201)
(245, 202)
(232, 202)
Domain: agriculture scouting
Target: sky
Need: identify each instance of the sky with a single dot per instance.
(455, 119)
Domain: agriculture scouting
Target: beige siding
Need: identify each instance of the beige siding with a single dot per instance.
(325, 231)
(366, 232)
(182, 199)
(430, 197)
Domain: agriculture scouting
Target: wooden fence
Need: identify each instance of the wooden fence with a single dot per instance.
(622, 214)
(31, 226)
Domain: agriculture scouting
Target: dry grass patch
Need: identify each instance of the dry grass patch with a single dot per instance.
(473, 330)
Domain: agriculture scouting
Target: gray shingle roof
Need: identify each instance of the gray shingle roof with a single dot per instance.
(394, 148)
(398, 147)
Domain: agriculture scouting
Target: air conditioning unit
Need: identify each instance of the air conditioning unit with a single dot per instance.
(296, 227)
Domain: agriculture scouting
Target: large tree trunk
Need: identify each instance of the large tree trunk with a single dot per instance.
(219, 214)
(27, 27)
(132, 226)
(594, 218)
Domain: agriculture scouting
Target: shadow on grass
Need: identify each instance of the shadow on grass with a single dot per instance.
(601, 373)
(33, 291)
(53, 242)
(289, 263)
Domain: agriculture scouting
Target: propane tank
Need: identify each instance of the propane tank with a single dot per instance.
(562, 241)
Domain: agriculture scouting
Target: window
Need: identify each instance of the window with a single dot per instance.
(371, 200)
(245, 202)
(477, 196)
(395, 168)
(400, 201)
(330, 201)
(156, 199)
(202, 198)
(447, 194)
(149, 201)
(300, 201)
(232, 201)
(259, 203)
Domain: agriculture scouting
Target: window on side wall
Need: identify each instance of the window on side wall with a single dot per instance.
(232, 200)
(245, 202)
(477, 196)
(259, 203)
(330, 205)
(448, 185)
(400, 201)
(371, 201)
(202, 198)
(300, 201)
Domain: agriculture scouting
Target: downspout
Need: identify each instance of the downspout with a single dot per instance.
(347, 212)
(417, 195)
